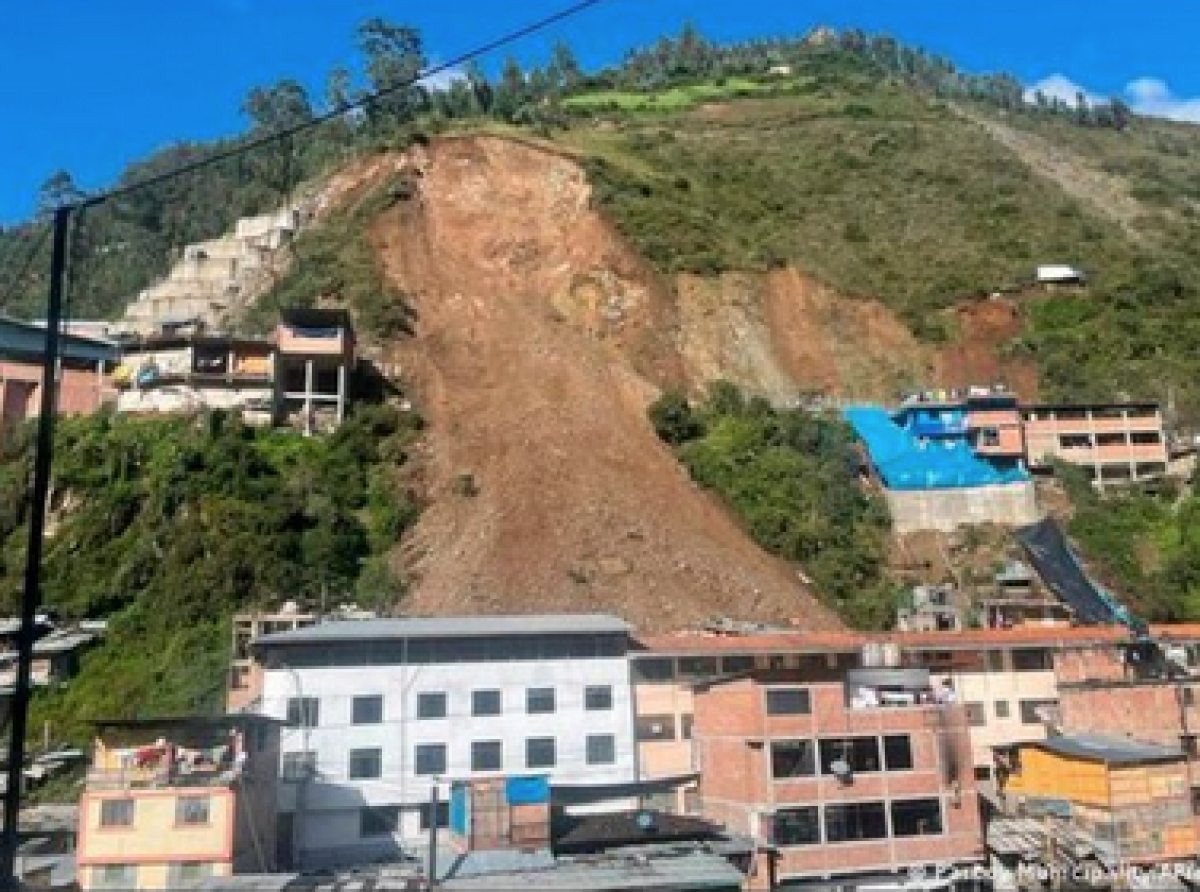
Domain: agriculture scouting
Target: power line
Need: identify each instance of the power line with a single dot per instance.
(361, 103)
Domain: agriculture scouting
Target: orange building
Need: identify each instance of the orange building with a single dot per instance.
(174, 800)
(1114, 442)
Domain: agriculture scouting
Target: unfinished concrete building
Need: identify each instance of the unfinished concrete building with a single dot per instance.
(314, 361)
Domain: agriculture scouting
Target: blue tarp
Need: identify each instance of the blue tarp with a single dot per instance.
(529, 789)
(923, 459)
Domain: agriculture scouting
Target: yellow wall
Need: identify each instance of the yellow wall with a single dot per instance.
(154, 835)
(149, 876)
(1051, 776)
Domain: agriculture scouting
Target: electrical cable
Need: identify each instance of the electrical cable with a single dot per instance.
(361, 103)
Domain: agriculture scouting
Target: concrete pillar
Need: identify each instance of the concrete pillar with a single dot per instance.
(341, 401)
(308, 395)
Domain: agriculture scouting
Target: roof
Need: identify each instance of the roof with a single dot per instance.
(25, 340)
(590, 833)
(1056, 636)
(643, 870)
(188, 721)
(314, 318)
(1107, 748)
(450, 627)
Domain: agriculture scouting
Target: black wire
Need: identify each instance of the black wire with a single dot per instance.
(15, 283)
(296, 129)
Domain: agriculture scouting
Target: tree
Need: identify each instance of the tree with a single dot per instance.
(57, 191)
(1119, 113)
(563, 71)
(280, 106)
(673, 419)
(395, 57)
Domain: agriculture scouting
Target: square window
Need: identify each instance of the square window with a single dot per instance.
(597, 697)
(431, 705)
(655, 727)
(443, 814)
(188, 871)
(115, 876)
(303, 712)
(976, 717)
(737, 665)
(788, 701)
(1002, 710)
(654, 669)
(487, 755)
(858, 754)
(1031, 659)
(917, 817)
(793, 758)
(430, 758)
(995, 660)
(116, 813)
(698, 667)
(366, 763)
(367, 710)
(601, 749)
(540, 752)
(855, 821)
(485, 702)
(1035, 712)
(192, 810)
(378, 820)
(796, 826)
(539, 700)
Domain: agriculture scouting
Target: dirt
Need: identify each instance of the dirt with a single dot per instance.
(977, 353)
(540, 339)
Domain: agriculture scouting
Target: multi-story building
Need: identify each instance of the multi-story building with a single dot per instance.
(1114, 443)
(83, 366)
(316, 359)
(385, 711)
(174, 800)
(840, 775)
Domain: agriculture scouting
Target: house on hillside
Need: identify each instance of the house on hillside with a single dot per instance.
(1053, 275)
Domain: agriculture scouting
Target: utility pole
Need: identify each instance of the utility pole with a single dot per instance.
(433, 833)
(31, 592)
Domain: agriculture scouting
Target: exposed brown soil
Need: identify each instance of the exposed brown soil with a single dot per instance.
(540, 341)
(541, 337)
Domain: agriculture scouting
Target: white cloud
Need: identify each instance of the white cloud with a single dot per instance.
(1145, 95)
(1059, 86)
(1153, 96)
(444, 79)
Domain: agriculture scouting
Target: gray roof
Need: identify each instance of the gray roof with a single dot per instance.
(450, 627)
(25, 340)
(1108, 748)
(682, 870)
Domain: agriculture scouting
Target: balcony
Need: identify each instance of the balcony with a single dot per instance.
(135, 778)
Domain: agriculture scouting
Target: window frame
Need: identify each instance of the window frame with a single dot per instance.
(643, 728)
(813, 812)
(604, 692)
(479, 696)
(553, 751)
(532, 696)
(493, 750)
(363, 700)
(425, 699)
(299, 759)
(922, 800)
(182, 816)
(908, 757)
(443, 814)
(873, 808)
(426, 749)
(808, 754)
(303, 712)
(354, 762)
(389, 818)
(774, 698)
(129, 804)
(610, 740)
(856, 742)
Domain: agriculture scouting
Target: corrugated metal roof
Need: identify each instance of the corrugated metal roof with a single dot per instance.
(24, 340)
(450, 627)
(1107, 748)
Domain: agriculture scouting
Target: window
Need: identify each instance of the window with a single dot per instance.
(737, 665)
(299, 766)
(303, 712)
(367, 710)
(1031, 660)
(995, 660)
(540, 752)
(983, 772)
(487, 755)
(239, 678)
(378, 820)
(443, 814)
(485, 702)
(430, 758)
(686, 721)
(975, 714)
(1144, 438)
(366, 763)
(788, 701)
(917, 817)
(188, 871)
(1075, 441)
(1033, 712)
(897, 752)
(601, 749)
(539, 700)
(1002, 709)
(792, 758)
(698, 667)
(597, 697)
(654, 669)
(115, 876)
(192, 810)
(431, 705)
(859, 753)
(796, 826)
(854, 821)
(116, 813)
(655, 727)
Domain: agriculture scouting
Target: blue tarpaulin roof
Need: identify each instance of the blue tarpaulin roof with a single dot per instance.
(905, 460)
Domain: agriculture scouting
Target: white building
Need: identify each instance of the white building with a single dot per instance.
(384, 709)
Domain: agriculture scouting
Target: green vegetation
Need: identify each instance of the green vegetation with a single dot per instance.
(791, 478)
(672, 99)
(1144, 545)
(166, 527)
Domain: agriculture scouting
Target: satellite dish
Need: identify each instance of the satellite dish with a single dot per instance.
(840, 768)
(646, 821)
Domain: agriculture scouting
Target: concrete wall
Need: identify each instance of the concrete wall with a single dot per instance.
(998, 682)
(1013, 504)
(184, 397)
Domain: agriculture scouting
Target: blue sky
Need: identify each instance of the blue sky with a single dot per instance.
(89, 85)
